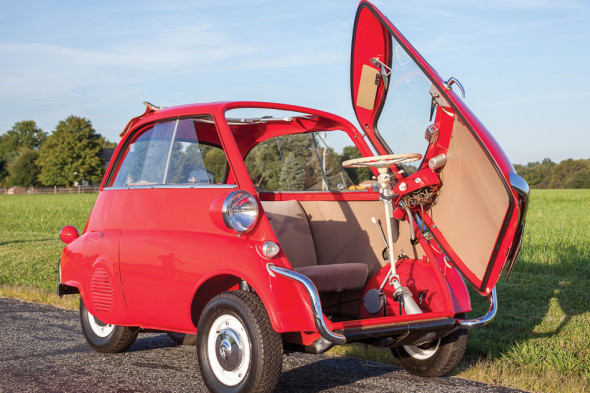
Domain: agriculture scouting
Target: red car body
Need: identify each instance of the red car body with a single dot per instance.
(154, 255)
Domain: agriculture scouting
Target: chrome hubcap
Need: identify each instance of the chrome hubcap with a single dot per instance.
(99, 328)
(424, 351)
(228, 350)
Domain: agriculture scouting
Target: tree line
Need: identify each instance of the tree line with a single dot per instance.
(71, 154)
(547, 174)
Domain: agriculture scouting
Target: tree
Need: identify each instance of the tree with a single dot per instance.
(72, 153)
(357, 175)
(547, 174)
(24, 171)
(3, 170)
(23, 135)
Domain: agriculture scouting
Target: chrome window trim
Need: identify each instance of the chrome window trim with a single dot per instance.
(165, 180)
(143, 187)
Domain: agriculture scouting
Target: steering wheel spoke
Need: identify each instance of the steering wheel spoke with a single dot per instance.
(380, 162)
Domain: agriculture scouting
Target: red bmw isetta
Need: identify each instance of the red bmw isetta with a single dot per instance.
(247, 231)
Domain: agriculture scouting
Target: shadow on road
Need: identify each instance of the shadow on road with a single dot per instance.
(335, 372)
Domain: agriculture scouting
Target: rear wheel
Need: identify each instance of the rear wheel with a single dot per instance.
(435, 358)
(105, 338)
(237, 348)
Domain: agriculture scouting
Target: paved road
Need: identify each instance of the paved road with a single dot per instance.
(42, 350)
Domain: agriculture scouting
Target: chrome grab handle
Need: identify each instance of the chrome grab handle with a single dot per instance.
(314, 298)
(482, 321)
(452, 80)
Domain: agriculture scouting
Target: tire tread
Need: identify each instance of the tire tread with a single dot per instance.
(270, 342)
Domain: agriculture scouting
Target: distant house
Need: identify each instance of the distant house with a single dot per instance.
(107, 154)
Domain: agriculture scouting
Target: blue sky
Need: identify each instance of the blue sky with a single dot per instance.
(524, 64)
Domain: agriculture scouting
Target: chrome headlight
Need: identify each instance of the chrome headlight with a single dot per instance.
(240, 211)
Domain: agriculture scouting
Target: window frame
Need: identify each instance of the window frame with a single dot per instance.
(120, 159)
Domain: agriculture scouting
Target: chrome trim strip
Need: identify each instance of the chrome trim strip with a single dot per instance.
(170, 151)
(522, 189)
(172, 186)
(520, 184)
(486, 319)
(314, 299)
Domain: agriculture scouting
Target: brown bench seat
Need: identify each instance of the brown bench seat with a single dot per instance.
(290, 224)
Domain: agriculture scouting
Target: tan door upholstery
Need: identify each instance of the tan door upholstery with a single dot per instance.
(473, 202)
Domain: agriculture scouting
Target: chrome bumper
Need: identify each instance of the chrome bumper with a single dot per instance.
(314, 299)
(482, 321)
(380, 330)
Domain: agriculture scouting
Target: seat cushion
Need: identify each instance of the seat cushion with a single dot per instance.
(337, 277)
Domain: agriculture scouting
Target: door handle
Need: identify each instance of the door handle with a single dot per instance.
(452, 80)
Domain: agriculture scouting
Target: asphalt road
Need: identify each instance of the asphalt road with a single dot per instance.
(42, 349)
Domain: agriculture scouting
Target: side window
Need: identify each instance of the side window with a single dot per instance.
(298, 162)
(178, 152)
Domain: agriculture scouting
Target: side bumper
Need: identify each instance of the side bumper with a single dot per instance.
(486, 319)
(63, 289)
(374, 332)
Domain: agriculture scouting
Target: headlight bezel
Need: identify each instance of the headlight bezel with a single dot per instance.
(241, 221)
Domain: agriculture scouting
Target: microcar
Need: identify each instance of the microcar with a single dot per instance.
(246, 224)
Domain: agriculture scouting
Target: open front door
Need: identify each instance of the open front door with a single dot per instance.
(405, 107)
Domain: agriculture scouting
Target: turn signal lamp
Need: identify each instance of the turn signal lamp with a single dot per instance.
(68, 234)
(270, 249)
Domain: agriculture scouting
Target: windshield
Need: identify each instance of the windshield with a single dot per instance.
(406, 111)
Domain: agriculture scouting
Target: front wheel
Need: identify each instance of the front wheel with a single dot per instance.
(237, 348)
(105, 338)
(435, 358)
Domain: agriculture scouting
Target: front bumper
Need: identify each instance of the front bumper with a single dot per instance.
(415, 329)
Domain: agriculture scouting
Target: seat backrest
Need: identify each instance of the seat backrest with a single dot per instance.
(289, 223)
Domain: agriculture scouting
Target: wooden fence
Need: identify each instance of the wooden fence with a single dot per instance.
(49, 190)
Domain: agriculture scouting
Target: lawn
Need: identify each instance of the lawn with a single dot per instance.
(539, 341)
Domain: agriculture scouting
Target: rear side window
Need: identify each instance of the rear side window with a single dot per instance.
(177, 152)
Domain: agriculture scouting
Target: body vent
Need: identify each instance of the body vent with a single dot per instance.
(101, 290)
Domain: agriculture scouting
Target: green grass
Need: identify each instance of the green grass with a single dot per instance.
(539, 341)
(29, 241)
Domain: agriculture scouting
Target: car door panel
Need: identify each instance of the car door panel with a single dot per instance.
(473, 216)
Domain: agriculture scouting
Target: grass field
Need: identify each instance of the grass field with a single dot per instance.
(539, 341)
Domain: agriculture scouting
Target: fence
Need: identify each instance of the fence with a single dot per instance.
(49, 190)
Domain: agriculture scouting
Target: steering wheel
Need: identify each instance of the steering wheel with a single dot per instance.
(384, 161)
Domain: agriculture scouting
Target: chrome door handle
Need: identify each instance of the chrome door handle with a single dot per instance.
(449, 85)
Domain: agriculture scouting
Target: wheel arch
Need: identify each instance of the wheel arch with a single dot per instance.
(223, 282)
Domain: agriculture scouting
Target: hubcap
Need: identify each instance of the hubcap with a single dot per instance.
(424, 351)
(99, 328)
(228, 350)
